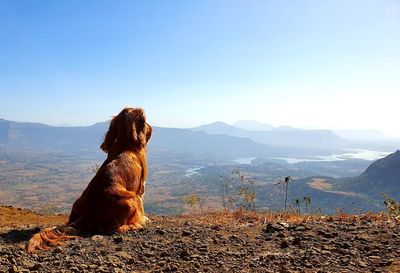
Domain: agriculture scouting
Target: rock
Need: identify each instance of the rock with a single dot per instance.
(149, 254)
(203, 248)
(328, 247)
(170, 245)
(283, 224)
(296, 241)
(374, 257)
(37, 266)
(58, 249)
(271, 228)
(164, 254)
(13, 269)
(124, 255)
(184, 253)
(284, 244)
(280, 235)
(160, 231)
(97, 238)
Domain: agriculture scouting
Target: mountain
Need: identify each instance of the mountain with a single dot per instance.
(381, 176)
(199, 142)
(386, 169)
(285, 128)
(88, 139)
(221, 128)
(25, 134)
(252, 125)
(286, 136)
(362, 134)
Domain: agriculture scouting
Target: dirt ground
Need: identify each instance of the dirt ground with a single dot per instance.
(215, 242)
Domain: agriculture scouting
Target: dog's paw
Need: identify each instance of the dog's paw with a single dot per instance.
(147, 220)
(126, 228)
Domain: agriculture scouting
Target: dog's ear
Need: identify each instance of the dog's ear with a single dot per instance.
(128, 127)
(149, 132)
(138, 133)
(111, 135)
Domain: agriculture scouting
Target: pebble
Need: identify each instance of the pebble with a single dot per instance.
(180, 246)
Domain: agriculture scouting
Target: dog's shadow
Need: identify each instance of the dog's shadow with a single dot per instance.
(16, 236)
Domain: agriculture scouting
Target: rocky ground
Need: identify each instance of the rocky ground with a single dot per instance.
(224, 242)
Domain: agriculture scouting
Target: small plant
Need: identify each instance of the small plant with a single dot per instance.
(249, 196)
(192, 200)
(392, 206)
(227, 198)
(307, 201)
(242, 194)
(286, 180)
(246, 191)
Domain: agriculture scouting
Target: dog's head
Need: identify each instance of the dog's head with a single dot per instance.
(129, 128)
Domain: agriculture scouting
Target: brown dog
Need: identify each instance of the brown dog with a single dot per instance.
(113, 199)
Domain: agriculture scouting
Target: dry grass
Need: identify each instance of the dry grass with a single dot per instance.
(242, 216)
(15, 217)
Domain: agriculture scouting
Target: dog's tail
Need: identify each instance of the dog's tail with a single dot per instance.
(50, 237)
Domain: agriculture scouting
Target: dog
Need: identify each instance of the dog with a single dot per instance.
(113, 200)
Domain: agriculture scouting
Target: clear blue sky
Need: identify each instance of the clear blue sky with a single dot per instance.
(325, 64)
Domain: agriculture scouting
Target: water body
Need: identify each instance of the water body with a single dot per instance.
(192, 171)
(349, 154)
(244, 160)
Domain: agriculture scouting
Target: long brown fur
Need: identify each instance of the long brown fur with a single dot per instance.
(112, 202)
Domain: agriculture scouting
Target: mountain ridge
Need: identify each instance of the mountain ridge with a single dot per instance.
(279, 137)
(381, 176)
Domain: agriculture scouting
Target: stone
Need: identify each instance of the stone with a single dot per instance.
(118, 240)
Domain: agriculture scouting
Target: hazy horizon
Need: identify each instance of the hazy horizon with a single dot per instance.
(308, 64)
(366, 130)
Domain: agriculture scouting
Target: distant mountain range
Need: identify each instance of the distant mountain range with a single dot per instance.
(252, 125)
(213, 139)
(216, 145)
(366, 135)
(362, 134)
(281, 136)
(88, 138)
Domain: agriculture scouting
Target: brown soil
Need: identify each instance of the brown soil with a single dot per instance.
(320, 184)
(215, 242)
(323, 185)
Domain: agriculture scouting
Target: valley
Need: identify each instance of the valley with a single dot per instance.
(47, 176)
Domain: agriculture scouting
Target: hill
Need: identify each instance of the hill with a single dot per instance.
(217, 242)
(281, 136)
(359, 192)
(381, 176)
(45, 168)
(41, 136)
(362, 134)
(88, 138)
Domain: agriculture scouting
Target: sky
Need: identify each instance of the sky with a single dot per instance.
(310, 64)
